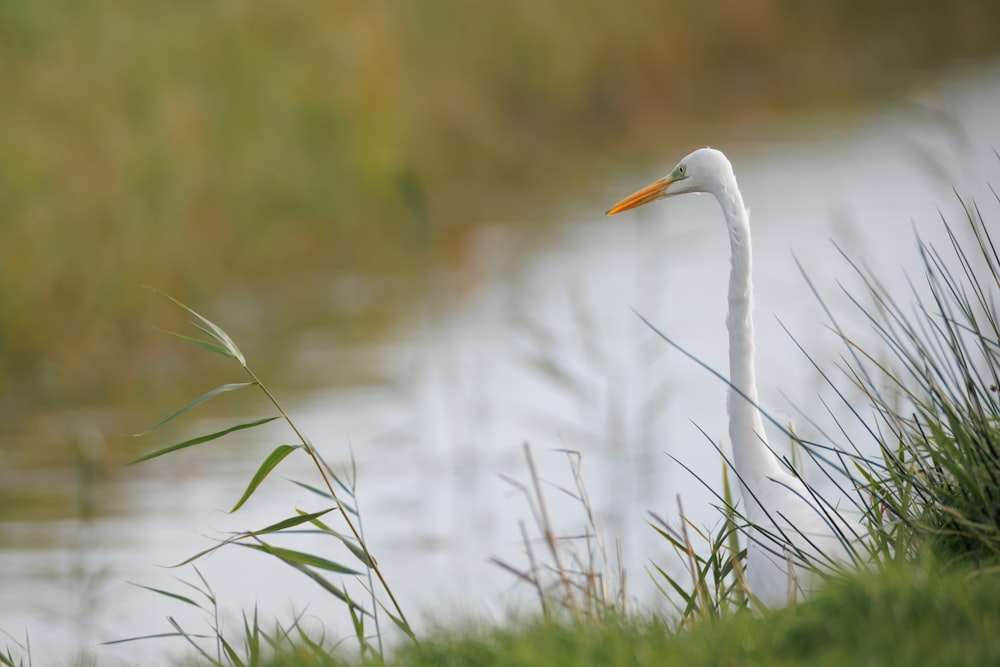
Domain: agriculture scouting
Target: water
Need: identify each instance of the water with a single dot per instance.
(531, 341)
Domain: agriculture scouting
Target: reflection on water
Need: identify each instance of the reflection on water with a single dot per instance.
(532, 341)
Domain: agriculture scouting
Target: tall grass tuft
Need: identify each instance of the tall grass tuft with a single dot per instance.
(714, 559)
(937, 414)
(337, 492)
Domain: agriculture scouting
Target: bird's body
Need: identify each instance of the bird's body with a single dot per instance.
(787, 522)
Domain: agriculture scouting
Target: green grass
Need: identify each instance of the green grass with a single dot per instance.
(909, 614)
(932, 401)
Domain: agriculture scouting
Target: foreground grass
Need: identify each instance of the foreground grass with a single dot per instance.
(908, 614)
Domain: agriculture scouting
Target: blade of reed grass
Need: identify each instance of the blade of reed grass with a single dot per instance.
(160, 635)
(292, 556)
(325, 584)
(210, 329)
(291, 522)
(175, 596)
(201, 439)
(346, 540)
(269, 464)
(273, 528)
(203, 344)
(234, 386)
(401, 624)
(314, 489)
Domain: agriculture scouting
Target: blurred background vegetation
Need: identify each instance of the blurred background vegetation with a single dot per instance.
(286, 153)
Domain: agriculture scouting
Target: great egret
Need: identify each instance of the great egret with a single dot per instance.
(788, 522)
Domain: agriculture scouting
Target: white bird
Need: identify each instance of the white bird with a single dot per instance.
(789, 526)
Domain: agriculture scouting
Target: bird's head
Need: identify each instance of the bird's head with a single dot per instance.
(704, 170)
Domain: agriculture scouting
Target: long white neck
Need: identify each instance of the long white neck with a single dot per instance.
(751, 456)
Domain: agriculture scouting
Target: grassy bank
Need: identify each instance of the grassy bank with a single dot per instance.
(268, 149)
(918, 615)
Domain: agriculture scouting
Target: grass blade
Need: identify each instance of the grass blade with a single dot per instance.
(328, 587)
(401, 624)
(211, 329)
(236, 386)
(231, 654)
(269, 464)
(301, 558)
(308, 487)
(273, 528)
(356, 549)
(347, 540)
(175, 596)
(252, 636)
(292, 521)
(204, 344)
(201, 439)
(162, 635)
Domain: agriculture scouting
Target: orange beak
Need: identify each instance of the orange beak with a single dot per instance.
(651, 192)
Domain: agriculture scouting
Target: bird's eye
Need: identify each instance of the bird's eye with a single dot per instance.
(681, 169)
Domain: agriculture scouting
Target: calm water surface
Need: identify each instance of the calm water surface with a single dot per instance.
(533, 341)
